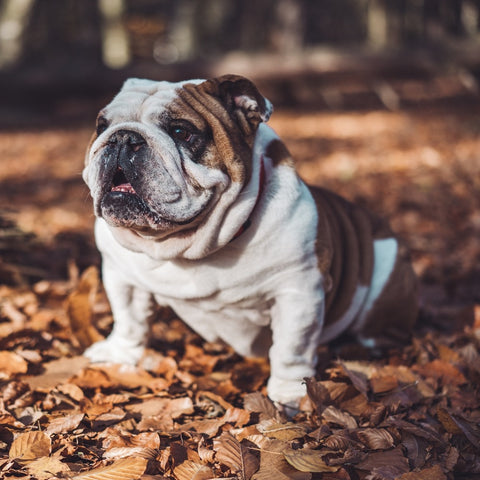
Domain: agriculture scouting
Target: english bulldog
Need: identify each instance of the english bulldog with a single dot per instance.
(200, 209)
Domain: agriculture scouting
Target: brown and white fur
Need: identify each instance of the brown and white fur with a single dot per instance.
(200, 209)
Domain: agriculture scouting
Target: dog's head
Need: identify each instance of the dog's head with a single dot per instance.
(165, 154)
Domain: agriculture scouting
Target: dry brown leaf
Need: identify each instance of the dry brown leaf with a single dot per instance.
(441, 370)
(383, 383)
(30, 446)
(92, 376)
(236, 416)
(281, 431)
(45, 468)
(64, 424)
(235, 455)
(358, 373)
(208, 427)
(433, 473)
(56, 372)
(11, 364)
(205, 396)
(115, 415)
(447, 354)
(336, 390)
(128, 376)
(273, 465)
(258, 403)
(79, 308)
(357, 406)
(457, 425)
(71, 390)
(125, 452)
(337, 417)
(123, 469)
(376, 438)
(189, 470)
(340, 440)
(448, 422)
(159, 406)
(306, 460)
(393, 459)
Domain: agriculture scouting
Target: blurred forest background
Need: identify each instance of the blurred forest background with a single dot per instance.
(325, 54)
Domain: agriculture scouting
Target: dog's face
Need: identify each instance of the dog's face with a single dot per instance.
(164, 153)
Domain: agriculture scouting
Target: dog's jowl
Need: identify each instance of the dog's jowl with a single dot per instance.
(200, 209)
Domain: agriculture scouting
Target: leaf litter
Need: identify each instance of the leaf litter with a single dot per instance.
(196, 410)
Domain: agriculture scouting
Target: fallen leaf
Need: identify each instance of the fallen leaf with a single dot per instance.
(209, 427)
(159, 406)
(11, 364)
(358, 373)
(115, 415)
(64, 424)
(392, 460)
(281, 431)
(205, 396)
(448, 422)
(189, 470)
(336, 416)
(235, 455)
(307, 460)
(56, 372)
(456, 425)
(30, 446)
(79, 308)
(124, 469)
(71, 390)
(432, 473)
(273, 465)
(256, 402)
(383, 383)
(44, 468)
(125, 452)
(442, 370)
(376, 438)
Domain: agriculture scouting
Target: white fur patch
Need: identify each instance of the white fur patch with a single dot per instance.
(332, 331)
(385, 255)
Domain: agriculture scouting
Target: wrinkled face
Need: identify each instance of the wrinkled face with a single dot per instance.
(164, 153)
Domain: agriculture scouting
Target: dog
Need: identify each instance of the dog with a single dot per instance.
(200, 209)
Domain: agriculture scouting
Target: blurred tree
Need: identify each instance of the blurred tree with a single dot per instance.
(79, 35)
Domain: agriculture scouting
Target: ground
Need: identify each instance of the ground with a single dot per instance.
(195, 410)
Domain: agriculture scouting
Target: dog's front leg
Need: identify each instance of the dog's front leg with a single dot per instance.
(297, 318)
(131, 309)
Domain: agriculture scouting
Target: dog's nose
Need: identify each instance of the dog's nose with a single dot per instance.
(132, 139)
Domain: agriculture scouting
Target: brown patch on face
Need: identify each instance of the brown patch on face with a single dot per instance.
(228, 149)
(279, 153)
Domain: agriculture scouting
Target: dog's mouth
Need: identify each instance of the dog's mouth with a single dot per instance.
(121, 184)
(122, 205)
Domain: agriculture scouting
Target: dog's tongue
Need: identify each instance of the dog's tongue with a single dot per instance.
(124, 187)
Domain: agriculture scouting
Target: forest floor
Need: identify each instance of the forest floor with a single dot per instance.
(195, 410)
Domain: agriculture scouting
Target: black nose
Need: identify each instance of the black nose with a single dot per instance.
(128, 138)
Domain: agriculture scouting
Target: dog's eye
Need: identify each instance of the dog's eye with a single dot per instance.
(102, 125)
(182, 134)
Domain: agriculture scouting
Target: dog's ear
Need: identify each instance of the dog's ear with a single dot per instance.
(242, 99)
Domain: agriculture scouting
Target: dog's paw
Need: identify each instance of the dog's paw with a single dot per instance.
(113, 350)
(286, 394)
